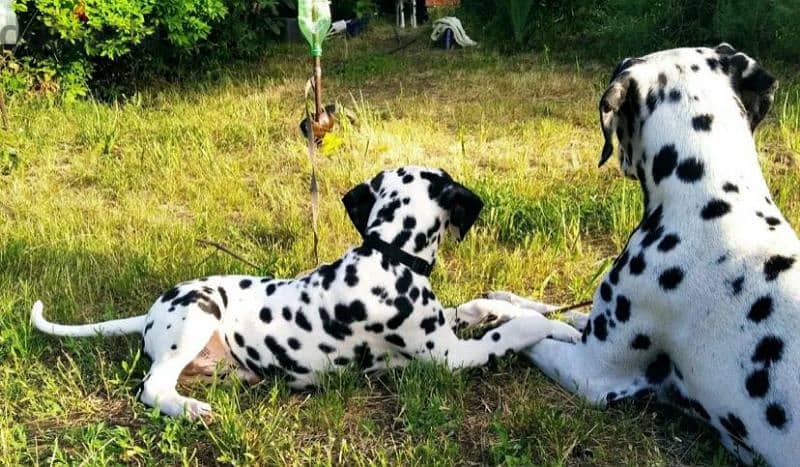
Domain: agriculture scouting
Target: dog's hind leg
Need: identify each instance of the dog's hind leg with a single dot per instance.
(171, 353)
(579, 369)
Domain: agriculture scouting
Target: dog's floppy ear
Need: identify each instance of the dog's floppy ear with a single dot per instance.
(610, 104)
(463, 205)
(752, 83)
(359, 202)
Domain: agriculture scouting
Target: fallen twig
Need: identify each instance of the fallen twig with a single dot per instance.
(225, 249)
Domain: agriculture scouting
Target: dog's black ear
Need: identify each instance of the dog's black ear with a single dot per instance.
(754, 85)
(610, 104)
(359, 202)
(463, 205)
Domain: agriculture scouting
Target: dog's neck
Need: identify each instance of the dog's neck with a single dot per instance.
(418, 240)
(726, 156)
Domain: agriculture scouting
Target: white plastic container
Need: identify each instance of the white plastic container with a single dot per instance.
(9, 29)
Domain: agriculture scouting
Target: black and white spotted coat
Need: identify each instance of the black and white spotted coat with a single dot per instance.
(366, 309)
(702, 307)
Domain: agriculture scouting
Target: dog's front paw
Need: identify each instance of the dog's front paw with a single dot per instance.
(194, 409)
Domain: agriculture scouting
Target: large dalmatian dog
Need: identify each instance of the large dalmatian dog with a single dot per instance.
(702, 307)
(373, 308)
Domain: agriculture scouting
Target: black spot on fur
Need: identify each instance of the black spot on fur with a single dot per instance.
(428, 324)
(737, 285)
(702, 122)
(326, 348)
(210, 307)
(350, 313)
(429, 345)
(351, 275)
(775, 265)
(715, 208)
(148, 326)
(420, 242)
(224, 296)
(623, 310)
(757, 383)
(605, 292)
(640, 342)
(328, 273)
(332, 327)
(265, 314)
(287, 313)
(404, 309)
(341, 361)
(772, 221)
(668, 243)
(638, 264)
(245, 283)
(363, 356)
(169, 294)
(293, 343)
(283, 358)
(776, 415)
(495, 336)
(671, 278)
(600, 329)
(587, 331)
(377, 328)
(690, 170)
(674, 95)
(401, 238)
(712, 63)
(302, 321)
(695, 67)
(761, 309)
(403, 282)
(659, 369)
(253, 353)
(620, 263)
(305, 298)
(239, 339)
(734, 426)
(700, 410)
(395, 339)
(768, 351)
(729, 187)
(664, 163)
(651, 101)
(270, 289)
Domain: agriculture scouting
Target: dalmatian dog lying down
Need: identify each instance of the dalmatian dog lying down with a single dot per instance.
(702, 307)
(373, 308)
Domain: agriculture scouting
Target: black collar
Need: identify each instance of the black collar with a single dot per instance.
(416, 264)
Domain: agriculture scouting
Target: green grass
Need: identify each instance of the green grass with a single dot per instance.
(101, 204)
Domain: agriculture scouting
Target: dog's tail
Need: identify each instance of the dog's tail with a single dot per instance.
(115, 327)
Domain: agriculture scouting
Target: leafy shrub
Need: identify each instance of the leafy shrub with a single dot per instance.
(67, 44)
(616, 28)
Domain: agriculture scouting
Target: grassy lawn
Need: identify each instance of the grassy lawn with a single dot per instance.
(101, 205)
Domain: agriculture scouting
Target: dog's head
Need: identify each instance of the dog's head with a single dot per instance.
(410, 207)
(696, 85)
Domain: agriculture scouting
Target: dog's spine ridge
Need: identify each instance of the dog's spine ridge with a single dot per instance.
(116, 327)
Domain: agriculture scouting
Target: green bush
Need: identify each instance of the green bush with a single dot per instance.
(616, 28)
(67, 44)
